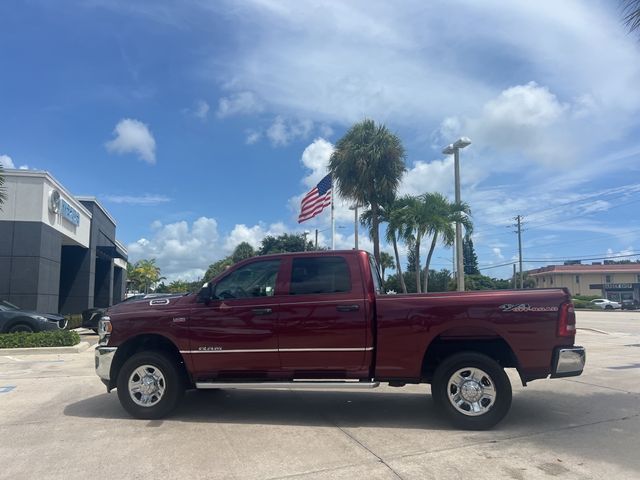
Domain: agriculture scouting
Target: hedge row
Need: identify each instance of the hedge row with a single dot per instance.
(577, 303)
(56, 338)
(73, 321)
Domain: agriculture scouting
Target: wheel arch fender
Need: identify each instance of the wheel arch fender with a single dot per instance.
(146, 342)
(482, 339)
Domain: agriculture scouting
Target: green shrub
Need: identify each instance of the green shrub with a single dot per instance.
(73, 321)
(57, 338)
(586, 298)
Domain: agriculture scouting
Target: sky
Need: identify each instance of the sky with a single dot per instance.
(201, 124)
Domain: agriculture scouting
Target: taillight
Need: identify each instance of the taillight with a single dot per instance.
(567, 320)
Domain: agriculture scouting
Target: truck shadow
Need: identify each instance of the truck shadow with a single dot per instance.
(532, 411)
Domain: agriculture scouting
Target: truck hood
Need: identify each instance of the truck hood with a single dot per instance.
(150, 304)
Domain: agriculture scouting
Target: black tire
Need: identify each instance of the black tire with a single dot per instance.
(608, 307)
(495, 378)
(173, 383)
(21, 327)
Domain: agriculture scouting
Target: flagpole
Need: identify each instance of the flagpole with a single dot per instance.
(333, 219)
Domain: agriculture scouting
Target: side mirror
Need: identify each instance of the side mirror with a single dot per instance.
(205, 293)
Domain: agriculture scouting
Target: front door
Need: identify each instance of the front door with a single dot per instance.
(236, 332)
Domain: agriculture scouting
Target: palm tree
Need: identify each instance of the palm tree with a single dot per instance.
(444, 215)
(414, 221)
(431, 214)
(3, 192)
(147, 273)
(367, 166)
(386, 263)
(631, 14)
(389, 213)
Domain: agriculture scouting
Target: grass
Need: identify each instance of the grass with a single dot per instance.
(57, 338)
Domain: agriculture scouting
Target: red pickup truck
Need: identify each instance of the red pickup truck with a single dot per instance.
(321, 320)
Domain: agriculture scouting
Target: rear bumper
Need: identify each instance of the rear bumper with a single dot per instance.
(568, 362)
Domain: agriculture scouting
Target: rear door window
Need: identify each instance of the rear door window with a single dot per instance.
(313, 275)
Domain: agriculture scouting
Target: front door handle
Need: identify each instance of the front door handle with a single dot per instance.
(347, 308)
(262, 311)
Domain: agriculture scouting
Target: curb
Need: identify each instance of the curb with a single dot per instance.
(80, 347)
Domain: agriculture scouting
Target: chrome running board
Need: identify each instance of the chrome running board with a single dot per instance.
(295, 384)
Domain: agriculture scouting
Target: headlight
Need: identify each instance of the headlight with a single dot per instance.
(40, 318)
(104, 330)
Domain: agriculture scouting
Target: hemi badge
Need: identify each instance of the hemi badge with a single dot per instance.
(179, 320)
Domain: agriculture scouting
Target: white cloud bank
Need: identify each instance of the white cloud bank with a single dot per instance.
(7, 162)
(133, 136)
(184, 251)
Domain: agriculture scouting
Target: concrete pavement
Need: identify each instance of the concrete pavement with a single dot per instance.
(57, 421)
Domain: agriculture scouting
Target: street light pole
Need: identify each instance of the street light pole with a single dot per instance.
(455, 150)
(355, 224)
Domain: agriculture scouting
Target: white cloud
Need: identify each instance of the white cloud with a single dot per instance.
(241, 103)
(252, 235)
(498, 253)
(6, 161)
(253, 137)
(282, 132)
(181, 250)
(199, 110)
(316, 158)
(184, 251)
(133, 136)
(147, 199)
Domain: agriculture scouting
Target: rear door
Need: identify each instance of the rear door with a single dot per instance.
(322, 321)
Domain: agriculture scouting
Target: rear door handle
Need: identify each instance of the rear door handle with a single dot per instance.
(262, 311)
(347, 308)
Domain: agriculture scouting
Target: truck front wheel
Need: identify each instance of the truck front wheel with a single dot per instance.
(150, 385)
(473, 390)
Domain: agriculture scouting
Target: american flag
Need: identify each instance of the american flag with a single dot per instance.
(314, 202)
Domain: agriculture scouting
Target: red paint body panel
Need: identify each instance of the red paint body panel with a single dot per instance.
(407, 324)
(308, 335)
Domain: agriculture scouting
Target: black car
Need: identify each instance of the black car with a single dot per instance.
(14, 319)
(91, 316)
(629, 304)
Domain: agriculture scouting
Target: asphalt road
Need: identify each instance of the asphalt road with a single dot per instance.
(57, 422)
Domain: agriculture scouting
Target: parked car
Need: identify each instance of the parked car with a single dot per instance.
(605, 304)
(91, 316)
(629, 304)
(321, 320)
(14, 319)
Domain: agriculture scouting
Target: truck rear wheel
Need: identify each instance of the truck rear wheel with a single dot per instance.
(150, 385)
(473, 390)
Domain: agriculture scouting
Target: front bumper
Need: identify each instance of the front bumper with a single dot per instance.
(568, 362)
(104, 358)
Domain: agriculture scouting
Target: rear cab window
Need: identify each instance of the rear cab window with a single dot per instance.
(375, 274)
(318, 275)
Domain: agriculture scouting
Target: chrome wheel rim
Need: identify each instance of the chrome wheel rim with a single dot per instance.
(147, 385)
(471, 391)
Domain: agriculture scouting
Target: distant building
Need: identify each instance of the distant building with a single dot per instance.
(613, 281)
(58, 253)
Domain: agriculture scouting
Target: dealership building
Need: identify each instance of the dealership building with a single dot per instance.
(58, 252)
(616, 282)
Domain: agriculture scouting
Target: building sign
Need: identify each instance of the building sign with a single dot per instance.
(59, 205)
(614, 286)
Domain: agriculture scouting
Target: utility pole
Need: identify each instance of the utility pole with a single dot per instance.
(518, 219)
(316, 239)
(514, 278)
